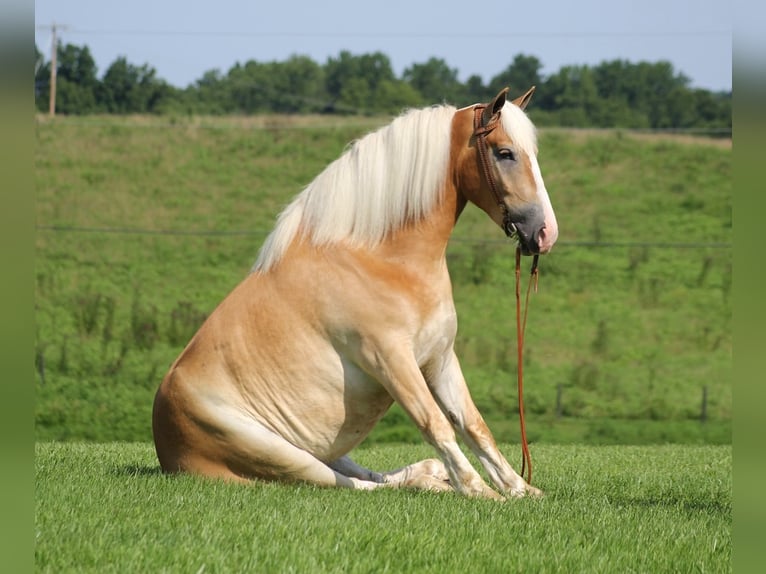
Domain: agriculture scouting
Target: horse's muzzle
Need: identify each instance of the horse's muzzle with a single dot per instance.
(528, 227)
(528, 239)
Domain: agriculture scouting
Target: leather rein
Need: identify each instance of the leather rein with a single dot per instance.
(480, 131)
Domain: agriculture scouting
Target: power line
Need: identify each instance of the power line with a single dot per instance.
(403, 35)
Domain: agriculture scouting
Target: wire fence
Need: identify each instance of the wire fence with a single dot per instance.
(264, 232)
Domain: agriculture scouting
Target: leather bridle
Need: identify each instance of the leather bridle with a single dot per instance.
(480, 131)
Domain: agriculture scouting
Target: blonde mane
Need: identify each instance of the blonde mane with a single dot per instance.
(385, 179)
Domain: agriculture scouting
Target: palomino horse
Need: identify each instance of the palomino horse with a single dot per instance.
(349, 308)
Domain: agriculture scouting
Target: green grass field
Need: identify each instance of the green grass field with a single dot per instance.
(145, 225)
(107, 508)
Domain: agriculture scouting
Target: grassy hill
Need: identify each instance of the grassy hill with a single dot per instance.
(144, 226)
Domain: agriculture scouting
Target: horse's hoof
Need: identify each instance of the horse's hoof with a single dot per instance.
(534, 492)
(491, 493)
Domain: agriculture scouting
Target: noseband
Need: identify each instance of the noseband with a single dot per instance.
(480, 133)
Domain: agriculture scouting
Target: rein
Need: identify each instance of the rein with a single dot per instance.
(521, 326)
(480, 131)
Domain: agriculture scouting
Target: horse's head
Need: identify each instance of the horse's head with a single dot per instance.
(497, 170)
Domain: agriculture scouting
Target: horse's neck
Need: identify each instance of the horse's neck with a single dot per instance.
(425, 241)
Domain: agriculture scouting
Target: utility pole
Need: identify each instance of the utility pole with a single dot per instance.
(54, 52)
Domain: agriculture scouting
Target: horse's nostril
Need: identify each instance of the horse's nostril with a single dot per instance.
(545, 240)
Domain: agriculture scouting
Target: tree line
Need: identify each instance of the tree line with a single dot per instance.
(617, 93)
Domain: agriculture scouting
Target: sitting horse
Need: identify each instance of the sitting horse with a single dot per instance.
(349, 308)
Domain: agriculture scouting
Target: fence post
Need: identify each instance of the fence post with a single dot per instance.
(559, 407)
(703, 413)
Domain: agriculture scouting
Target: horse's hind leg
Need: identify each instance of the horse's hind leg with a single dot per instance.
(242, 449)
(428, 474)
(348, 467)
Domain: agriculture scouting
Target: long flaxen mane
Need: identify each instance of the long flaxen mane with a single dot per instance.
(384, 180)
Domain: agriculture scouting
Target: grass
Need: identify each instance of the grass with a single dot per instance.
(107, 508)
(623, 339)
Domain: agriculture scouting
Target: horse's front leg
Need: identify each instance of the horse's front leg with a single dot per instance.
(394, 366)
(449, 388)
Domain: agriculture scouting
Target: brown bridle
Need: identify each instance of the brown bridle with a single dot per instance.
(481, 127)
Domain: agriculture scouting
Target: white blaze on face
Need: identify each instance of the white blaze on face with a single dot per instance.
(521, 130)
(550, 232)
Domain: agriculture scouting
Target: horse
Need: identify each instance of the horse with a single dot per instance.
(348, 309)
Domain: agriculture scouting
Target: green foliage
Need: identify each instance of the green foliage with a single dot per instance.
(622, 337)
(77, 83)
(435, 81)
(127, 89)
(107, 508)
(522, 73)
(124, 88)
(612, 94)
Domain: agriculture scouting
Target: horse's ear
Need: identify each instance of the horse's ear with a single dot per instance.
(522, 101)
(494, 106)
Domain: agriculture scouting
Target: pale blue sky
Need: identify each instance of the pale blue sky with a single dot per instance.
(183, 39)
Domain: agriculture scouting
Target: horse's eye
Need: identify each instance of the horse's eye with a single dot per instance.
(506, 153)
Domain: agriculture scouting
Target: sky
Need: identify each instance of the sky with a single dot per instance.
(182, 40)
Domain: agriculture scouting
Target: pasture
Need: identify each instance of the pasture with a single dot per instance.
(107, 508)
(145, 224)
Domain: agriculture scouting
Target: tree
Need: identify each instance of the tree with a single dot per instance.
(298, 86)
(210, 94)
(76, 80)
(520, 75)
(712, 110)
(126, 89)
(42, 81)
(572, 93)
(645, 89)
(394, 96)
(435, 81)
(250, 87)
(357, 84)
(476, 91)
